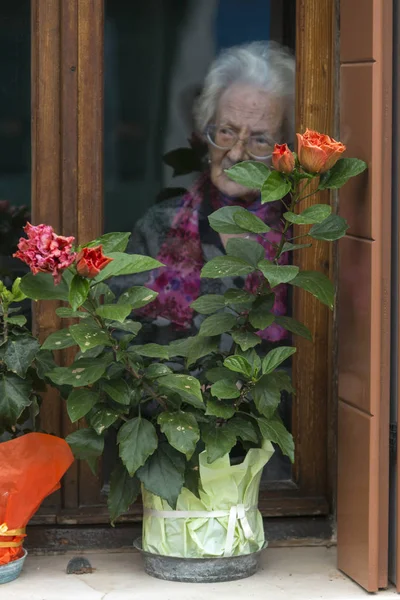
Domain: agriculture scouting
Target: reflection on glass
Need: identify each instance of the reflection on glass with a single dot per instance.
(15, 141)
(157, 55)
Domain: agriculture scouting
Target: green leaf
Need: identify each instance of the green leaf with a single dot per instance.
(80, 402)
(130, 326)
(236, 219)
(88, 336)
(318, 284)
(282, 380)
(41, 287)
(127, 264)
(137, 296)
(226, 266)
(78, 291)
(267, 396)
(137, 441)
(276, 357)
(250, 222)
(261, 315)
(93, 353)
(164, 473)
(157, 370)
(180, 347)
(275, 187)
(124, 491)
(248, 250)
(101, 292)
(20, 353)
(235, 297)
(341, 172)
(217, 324)
(152, 351)
(252, 357)
(208, 304)
(333, 228)
(68, 313)
(219, 440)
(246, 339)
(288, 247)
(313, 214)
(294, 326)
(216, 408)
(222, 220)
(44, 362)
(276, 274)
(181, 430)
(238, 364)
(118, 390)
(186, 386)
(274, 431)
(18, 296)
(244, 429)
(85, 443)
(14, 398)
(101, 418)
(251, 174)
(114, 312)
(201, 346)
(59, 340)
(225, 389)
(84, 371)
(116, 241)
(217, 373)
(19, 320)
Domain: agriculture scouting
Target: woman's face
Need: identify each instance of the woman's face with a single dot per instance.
(255, 116)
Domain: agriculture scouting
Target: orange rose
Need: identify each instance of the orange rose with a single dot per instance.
(283, 159)
(318, 152)
(90, 261)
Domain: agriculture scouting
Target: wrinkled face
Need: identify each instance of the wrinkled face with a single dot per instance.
(252, 119)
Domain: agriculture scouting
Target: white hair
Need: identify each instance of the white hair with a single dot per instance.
(266, 65)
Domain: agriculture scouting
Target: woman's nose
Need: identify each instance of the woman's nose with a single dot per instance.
(237, 152)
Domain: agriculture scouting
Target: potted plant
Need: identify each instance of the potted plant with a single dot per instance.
(198, 507)
(32, 464)
(22, 365)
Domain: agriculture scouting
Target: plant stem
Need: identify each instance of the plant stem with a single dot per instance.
(287, 225)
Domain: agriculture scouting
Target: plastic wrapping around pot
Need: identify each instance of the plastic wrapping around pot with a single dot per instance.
(224, 521)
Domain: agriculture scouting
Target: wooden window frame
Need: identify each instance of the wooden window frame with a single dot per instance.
(67, 192)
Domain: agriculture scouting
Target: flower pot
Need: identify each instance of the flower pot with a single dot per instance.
(217, 536)
(199, 570)
(13, 569)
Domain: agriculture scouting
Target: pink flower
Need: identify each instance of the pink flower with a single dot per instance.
(45, 252)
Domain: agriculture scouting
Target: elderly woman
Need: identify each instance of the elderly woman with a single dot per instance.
(246, 106)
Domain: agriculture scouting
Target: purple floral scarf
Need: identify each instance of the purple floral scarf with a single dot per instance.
(178, 283)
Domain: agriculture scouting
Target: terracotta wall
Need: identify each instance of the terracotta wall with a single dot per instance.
(364, 271)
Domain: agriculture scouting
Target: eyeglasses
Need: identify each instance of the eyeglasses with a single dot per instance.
(258, 146)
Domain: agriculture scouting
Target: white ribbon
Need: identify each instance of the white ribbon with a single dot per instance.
(236, 513)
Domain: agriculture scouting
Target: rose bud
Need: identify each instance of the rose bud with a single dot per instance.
(283, 159)
(90, 261)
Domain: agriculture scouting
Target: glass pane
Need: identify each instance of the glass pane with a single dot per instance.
(15, 135)
(157, 54)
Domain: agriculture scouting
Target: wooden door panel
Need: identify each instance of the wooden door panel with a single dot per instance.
(358, 524)
(358, 375)
(364, 305)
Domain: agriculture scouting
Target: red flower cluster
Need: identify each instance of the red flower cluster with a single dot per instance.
(90, 261)
(45, 252)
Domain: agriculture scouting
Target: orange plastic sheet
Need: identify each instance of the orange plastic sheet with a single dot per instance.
(31, 468)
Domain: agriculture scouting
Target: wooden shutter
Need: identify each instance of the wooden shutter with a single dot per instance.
(364, 300)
